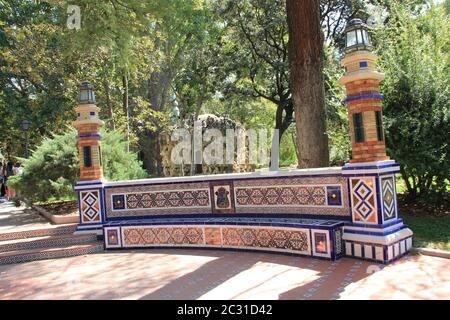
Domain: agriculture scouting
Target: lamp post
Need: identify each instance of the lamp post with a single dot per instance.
(88, 125)
(26, 127)
(364, 100)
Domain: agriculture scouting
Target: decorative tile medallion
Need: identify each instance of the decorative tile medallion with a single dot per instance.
(90, 206)
(112, 236)
(389, 198)
(222, 195)
(118, 202)
(321, 243)
(213, 236)
(334, 197)
(364, 207)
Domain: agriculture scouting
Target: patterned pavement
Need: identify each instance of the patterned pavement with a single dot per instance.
(210, 275)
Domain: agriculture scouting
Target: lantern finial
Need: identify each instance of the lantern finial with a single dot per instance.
(357, 36)
(86, 94)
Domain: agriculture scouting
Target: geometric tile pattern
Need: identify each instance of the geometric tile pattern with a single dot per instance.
(297, 195)
(363, 195)
(388, 192)
(169, 199)
(90, 206)
(320, 203)
(279, 196)
(295, 240)
(147, 200)
(148, 236)
(269, 238)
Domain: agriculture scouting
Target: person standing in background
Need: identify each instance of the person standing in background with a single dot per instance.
(2, 180)
(9, 172)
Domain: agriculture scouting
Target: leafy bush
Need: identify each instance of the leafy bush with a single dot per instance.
(53, 169)
(414, 53)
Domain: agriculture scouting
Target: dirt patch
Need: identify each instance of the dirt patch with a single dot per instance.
(417, 208)
(63, 208)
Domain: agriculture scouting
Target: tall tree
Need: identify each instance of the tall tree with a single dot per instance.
(306, 56)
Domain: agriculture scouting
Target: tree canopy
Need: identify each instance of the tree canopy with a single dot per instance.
(230, 58)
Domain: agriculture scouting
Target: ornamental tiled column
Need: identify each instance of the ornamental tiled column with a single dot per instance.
(375, 232)
(90, 187)
(88, 125)
(364, 101)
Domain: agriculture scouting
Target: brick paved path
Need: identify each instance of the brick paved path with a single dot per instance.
(201, 274)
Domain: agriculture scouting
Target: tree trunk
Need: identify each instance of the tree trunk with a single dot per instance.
(126, 108)
(112, 123)
(307, 84)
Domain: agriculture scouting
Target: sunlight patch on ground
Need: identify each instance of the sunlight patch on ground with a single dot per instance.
(262, 281)
(408, 279)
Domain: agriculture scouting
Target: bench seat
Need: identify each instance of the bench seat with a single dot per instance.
(309, 237)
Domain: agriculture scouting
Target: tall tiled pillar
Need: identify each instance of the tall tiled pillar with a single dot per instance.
(90, 187)
(375, 231)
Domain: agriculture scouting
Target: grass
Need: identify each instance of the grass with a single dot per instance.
(429, 232)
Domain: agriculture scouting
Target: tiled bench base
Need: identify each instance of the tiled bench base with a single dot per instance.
(378, 252)
(316, 238)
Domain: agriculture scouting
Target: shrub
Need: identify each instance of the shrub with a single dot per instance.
(53, 169)
(413, 52)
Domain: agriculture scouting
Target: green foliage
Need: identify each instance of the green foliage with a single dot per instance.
(429, 232)
(53, 168)
(414, 53)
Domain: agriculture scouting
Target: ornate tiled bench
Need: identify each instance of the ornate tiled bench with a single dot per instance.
(357, 201)
(318, 238)
(326, 212)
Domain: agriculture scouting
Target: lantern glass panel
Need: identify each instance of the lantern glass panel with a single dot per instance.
(366, 37)
(84, 95)
(351, 38)
(359, 34)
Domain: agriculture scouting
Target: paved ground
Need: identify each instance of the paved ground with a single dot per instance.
(200, 274)
(16, 219)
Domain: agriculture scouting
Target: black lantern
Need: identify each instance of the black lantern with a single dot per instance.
(25, 125)
(356, 36)
(86, 94)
